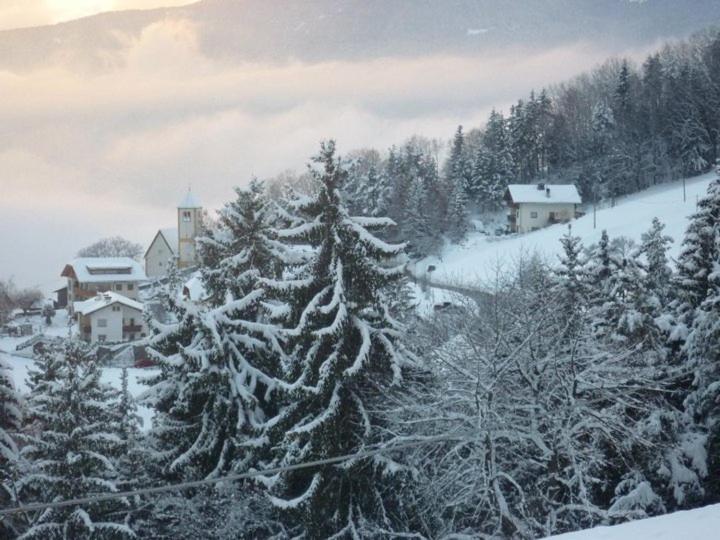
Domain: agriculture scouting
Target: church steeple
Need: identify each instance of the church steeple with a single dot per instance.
(189, 227)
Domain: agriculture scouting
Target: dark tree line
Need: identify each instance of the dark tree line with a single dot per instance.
(615, 130)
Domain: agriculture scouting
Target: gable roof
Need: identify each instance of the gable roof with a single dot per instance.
(104, 300)
(547, 194)
(170, 235)
(104, 269)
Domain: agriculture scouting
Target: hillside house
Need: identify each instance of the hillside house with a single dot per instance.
(86, 277)
(179, 243)
(110, 318)
(534, 206)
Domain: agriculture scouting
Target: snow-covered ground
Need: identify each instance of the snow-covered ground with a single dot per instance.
(477, 258)
(698, 524)
(110, 375)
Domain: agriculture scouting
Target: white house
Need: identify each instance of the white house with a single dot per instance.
(533, 206)
(110, 317)
(176, 243)
(163, 249)
(91, 275)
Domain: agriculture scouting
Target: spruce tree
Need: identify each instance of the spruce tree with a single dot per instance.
(213, 391)
(343, 351)
(653, 249)
(242, 247)
(703, 352)
(457, 221)
(71, 447)
(10, 419)
(697, 256)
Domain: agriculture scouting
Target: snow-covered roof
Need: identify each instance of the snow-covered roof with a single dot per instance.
(171, 237)
(194, 288)
(544, 193)
(104, 269)
(104, 300)
(190, 201)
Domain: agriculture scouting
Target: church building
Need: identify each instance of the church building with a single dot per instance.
(176, 243)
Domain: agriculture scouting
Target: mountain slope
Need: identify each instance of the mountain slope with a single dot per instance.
(317, 30)
(478, 257)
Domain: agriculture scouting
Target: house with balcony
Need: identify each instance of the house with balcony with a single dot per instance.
(109, 317)
(88, 276)
(534, 206)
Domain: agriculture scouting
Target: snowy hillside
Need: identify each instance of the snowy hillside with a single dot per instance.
(698, 524)
(476, 259)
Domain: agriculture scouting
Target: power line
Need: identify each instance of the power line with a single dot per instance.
(229, 478)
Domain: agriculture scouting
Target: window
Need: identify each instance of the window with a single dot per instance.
(130, 286)
(116, 308)
(118, 286)
(533, 215)
(102, 323)
(186, 216)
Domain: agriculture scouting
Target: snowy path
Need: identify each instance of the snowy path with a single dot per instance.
(698, 524)
(479, 257)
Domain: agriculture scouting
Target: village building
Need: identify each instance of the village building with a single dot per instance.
(162, 252)
(176, 244)
(533, 206)
(88, 276)
(110, 318)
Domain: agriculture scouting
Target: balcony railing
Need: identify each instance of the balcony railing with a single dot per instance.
(132, 328)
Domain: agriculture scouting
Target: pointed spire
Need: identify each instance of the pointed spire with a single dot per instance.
(190, 201)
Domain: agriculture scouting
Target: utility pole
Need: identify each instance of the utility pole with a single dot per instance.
(684, 193)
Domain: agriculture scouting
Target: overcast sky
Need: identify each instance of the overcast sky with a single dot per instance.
(85, 155)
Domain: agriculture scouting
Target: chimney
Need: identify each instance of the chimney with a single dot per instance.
(540, 187)
(547, 192)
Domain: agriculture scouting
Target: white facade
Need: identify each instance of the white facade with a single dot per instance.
(532, 207)
(189, 228)
(161, 253)
(533, 216)
(110, 318)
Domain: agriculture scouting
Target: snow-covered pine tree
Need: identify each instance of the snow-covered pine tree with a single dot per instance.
(572, 284)
(458, 171)
(71, 447)
(456, 221)
(343, 347)
(697, 256)
(10, 419)
(416, 225)
(703, 353)
(242, 247)
(653, 250)
(213, 391)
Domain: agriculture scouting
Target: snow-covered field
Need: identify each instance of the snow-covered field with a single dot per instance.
(698, 524)
(477, 258)
(110, 375)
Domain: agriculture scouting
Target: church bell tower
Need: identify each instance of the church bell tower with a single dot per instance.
(189, 227)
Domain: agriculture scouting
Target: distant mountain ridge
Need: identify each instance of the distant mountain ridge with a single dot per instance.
(318, 30)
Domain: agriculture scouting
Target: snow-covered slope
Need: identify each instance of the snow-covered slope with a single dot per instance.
(476, 259)
(698, 524)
